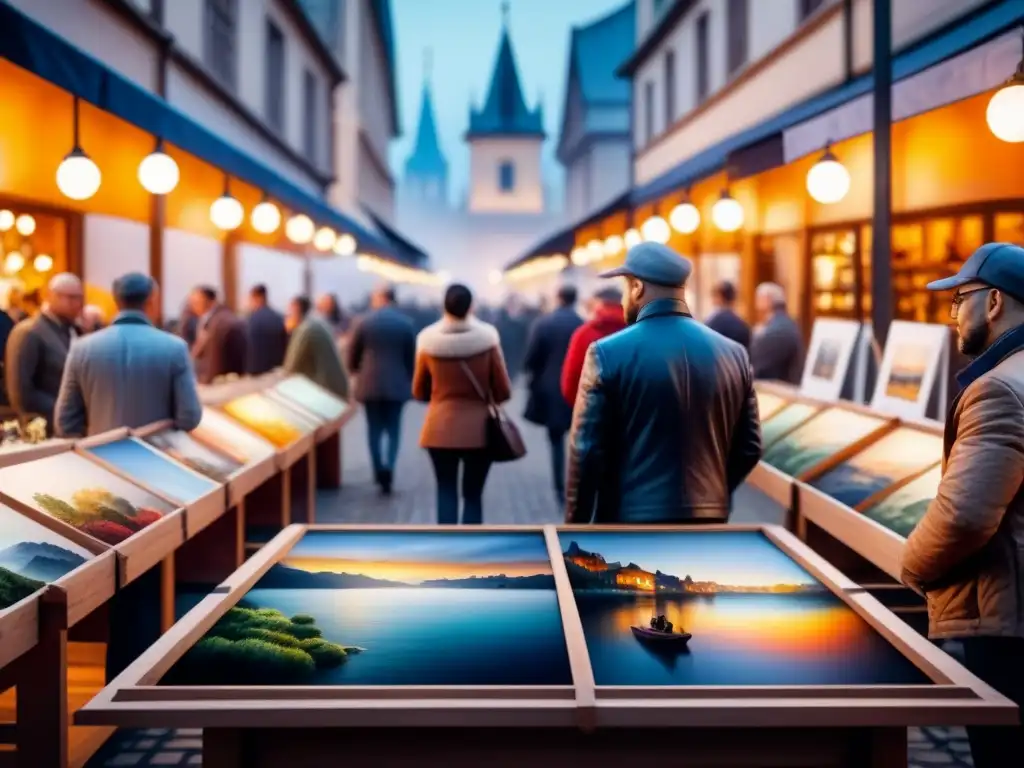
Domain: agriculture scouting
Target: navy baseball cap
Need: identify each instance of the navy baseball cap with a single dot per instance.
(998, 265)
(654, 263)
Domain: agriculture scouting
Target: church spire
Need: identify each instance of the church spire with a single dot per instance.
(427, 159)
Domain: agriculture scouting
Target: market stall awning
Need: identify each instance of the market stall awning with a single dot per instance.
(33, 47)
(412, 254)
(966, 34)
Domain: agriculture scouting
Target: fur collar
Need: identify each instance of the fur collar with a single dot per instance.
(453, 338)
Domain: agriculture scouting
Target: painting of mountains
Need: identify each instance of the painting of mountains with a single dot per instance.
(792, 415)
(392, 608)
(32, 556)
(903, 509)
(79, 493)
(312, 397)
(818, 439)
(898, 455)
(185, 449)
(768, 405)
(753, 615)
(228, 437)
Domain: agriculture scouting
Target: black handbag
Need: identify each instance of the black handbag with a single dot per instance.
(503, 441)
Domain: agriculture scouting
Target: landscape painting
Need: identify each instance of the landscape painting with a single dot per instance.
(392, 608)
(898, 455)
(906, 375)
(316, 399)
(768, 404)
(77, 492)
(140, 461)
(821, 437)
(774, 427)
(903, 509)
(274, 421)
(734, 610)
(826, 362)
(187, 450)
(32, 556)
(229, 438)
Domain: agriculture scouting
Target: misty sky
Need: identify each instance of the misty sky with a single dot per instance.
(463, 35)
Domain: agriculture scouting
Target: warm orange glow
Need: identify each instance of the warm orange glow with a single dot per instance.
(415, 572)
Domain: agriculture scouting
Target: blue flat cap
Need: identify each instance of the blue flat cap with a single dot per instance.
(654, 263)
(134, 286)
(999, 265)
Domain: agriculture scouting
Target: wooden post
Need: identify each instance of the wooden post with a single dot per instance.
(42, 691)
(881, 234)
(167, 616)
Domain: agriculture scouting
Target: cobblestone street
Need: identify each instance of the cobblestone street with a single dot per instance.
(521, 493)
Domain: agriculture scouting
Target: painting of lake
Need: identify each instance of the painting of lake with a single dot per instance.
(818, 439)
(754, 615)
(392, 608)
(903, 509)
(895, 457)
(792, 415)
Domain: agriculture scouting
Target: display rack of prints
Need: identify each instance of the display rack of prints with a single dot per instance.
(291, 433)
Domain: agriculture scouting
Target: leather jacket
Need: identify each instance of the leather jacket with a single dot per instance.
(666, 424)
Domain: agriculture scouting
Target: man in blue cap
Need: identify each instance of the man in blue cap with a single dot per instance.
(966, 556)
(129, 374)
(665, 425)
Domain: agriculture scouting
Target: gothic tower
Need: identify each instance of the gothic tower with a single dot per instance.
(426, 169)
(505, 139)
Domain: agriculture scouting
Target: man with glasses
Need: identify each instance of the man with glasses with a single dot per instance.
(966, 556)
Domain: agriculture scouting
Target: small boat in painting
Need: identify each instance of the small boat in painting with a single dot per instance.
(661, 638)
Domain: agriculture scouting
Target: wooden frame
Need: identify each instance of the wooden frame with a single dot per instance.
(287, 455)
(872, 541)
(198, 514)
(955, 696)
(825, 329)
(29, 452)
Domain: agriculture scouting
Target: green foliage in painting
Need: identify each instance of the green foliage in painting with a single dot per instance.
(99, 513)
(15, 587)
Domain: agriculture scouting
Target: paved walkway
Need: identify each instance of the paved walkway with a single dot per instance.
(519, 493)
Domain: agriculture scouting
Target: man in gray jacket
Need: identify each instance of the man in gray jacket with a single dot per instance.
(129, 374)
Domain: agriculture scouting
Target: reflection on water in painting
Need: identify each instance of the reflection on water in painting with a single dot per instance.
(741, 639)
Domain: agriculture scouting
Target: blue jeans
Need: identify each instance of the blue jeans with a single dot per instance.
(384, 419)
(475, 465)
(556, 439)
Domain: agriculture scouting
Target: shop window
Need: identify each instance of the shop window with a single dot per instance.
(703, 59)
(273, 77)
(507, 176)
(738, 46)
(33, 248)
(834, 288)
(1009, 228)
(220, 48)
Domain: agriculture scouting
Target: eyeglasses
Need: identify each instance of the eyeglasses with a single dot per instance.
(959, 298)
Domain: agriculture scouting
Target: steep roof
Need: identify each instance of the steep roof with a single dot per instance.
(597, 51)
(505, 112)
(426, 159)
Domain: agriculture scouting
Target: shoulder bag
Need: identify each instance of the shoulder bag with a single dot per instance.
(503, 441)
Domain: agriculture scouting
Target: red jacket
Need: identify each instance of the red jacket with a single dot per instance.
(607, 320)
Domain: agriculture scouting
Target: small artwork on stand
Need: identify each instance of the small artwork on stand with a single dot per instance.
(185, 449)
(717, 608)
(32, 556)
(909, 364)
(914, 364)
(768, 404)
(274, 421)
(784, 420)
(138, 460)
(388, 608)
(825, 435)
(83, 495)
(898, 455)
(903, 509)
(303, 392)
(827, 360)
(228, 437)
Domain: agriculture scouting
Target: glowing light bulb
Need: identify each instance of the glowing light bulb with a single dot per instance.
(345, 245)
(612, 245)
(78, 177)
(265, 218)
(158, 173)
(727, 214)
(685, 218)
(14, 262)
(656, 230)
(6, 220)
(1005, 112)
(226, 213)
(324, 239)
(300, 229)
(25, 225)
(632, 238)
(579, 256)
(42, 263)
(828, 181)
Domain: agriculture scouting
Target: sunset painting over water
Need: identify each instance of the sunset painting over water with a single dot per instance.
(756, 617)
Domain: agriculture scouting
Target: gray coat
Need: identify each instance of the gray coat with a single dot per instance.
(35, 357)
(128, 375)
(777, 350)
(382, 356)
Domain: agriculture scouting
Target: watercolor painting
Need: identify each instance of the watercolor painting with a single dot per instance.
(898, 455)
(226, 436)
(32, 556)
(187, 450)
(903, 509)
(823, 436)
(754, 616)
(153, 469)
(76, 491)
(392, 608)
(315, 399)
(275, 421)
(906, 375)
(774, 427)
(826, 362)
(768, 404)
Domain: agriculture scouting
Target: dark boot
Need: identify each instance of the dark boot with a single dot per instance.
(385, 482)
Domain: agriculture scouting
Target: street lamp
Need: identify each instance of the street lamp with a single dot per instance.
(78, 177)
(1005, 113)
(727, 214)
(828, 181)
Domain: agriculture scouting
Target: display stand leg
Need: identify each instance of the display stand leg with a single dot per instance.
(206, 559)
(43, 690)
(267, 509)
(303, 488)
(328, 462)
(239, 538)
(887, 748)
(223, 747)
(311, 487)
(136, 617)
(166, 593)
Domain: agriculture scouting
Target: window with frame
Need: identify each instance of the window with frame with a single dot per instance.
(273, 76)
(220, 49)
(738, 45)
(670, 87)
(648, 112)
(506, 176)
(807, 8)
(703, 59)
(311, 114)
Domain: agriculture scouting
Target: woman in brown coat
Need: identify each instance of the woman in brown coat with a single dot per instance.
(458, 366)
